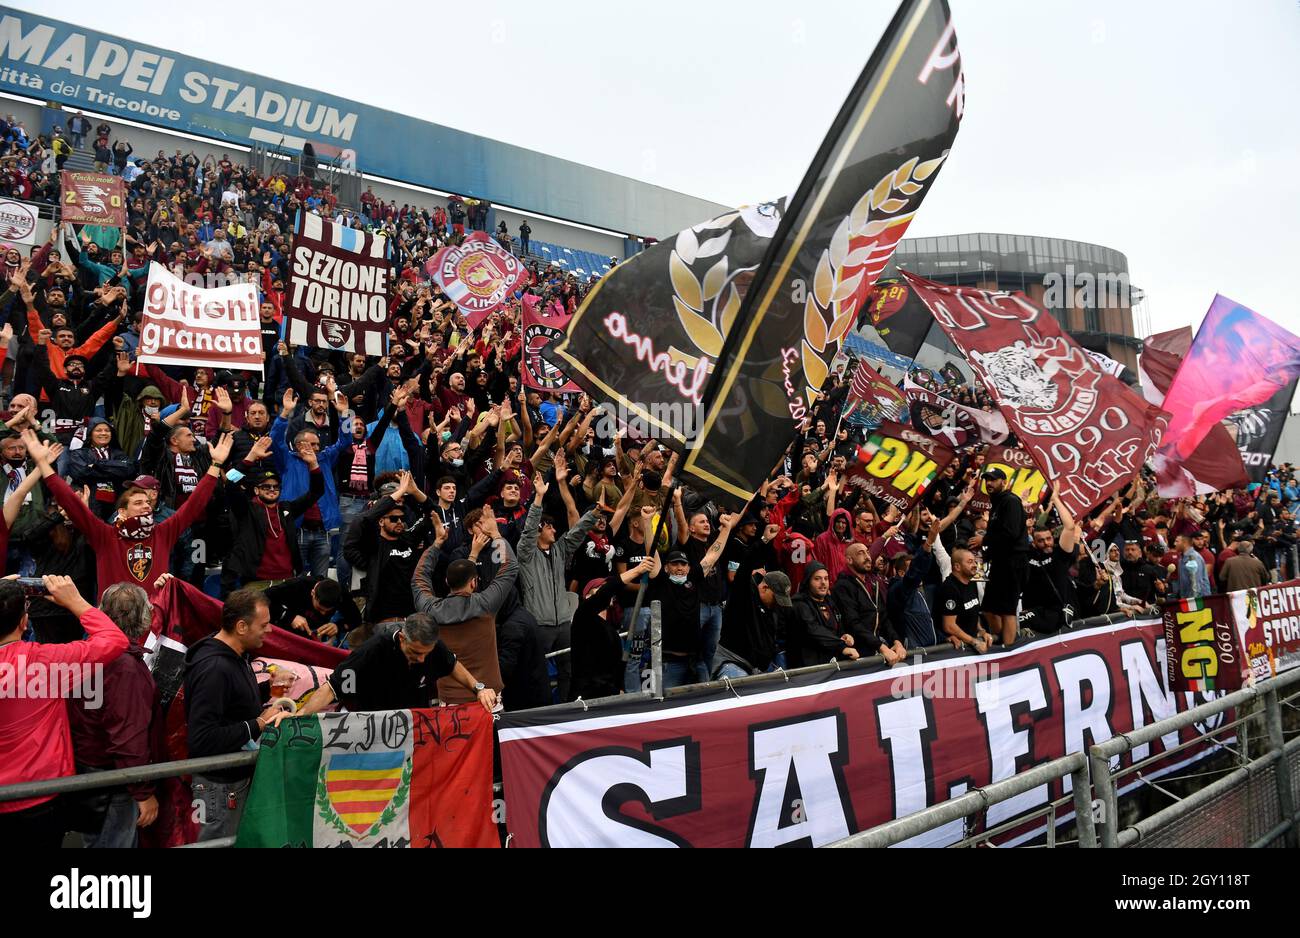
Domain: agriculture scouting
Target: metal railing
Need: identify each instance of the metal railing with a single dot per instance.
(978, 801)
(1276, 760)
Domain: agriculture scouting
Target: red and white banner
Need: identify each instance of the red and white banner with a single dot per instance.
(338, 288)
(92, 199)
(186, 325)
(1268, 621)
(956, 424)
(539, 332)
(826, 755)
(18, 222)
(477, 275)
(1088, 432)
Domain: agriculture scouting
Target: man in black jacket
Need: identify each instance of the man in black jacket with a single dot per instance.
(308, 604)
(816, 634)
(756, 618)
(265, 548)
(1006, 547)
(861, 613)
(386, 549)
(223, 708)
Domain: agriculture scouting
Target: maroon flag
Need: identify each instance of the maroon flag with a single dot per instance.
(863, 379)
(539, 332)
(478, 275)
(897, 465)
(92, 199)
(1216, 463)
(1238, 360)
(1086, 430)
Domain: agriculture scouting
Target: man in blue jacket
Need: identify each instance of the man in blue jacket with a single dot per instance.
(320, 524)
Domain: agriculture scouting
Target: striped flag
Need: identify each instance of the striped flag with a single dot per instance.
(396, 778)
(338, 288)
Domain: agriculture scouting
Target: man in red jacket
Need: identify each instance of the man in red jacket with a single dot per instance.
(35, 742)
(133, 549)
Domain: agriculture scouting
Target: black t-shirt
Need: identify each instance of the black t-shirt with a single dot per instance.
(957, 599)
(711, 585)
(394, 565)
(680, 608)
(377, 675)
(631, 553)
(1048, 585)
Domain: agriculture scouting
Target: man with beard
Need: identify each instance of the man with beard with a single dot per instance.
(861, 611)
(382, 545)
(132, 549)
(265, 549)
(257, 426)
(71, 398)
(65, 339)
(1006, 548)
(816, 634)
(1141, 579)
(958, 604)
(1048, 602)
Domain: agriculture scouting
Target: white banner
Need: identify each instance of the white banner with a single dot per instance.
(17, 222)
(187, 325)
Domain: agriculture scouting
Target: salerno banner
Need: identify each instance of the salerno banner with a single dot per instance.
(186, 325)
(394, 778)
(897, 465)
(339, 282)
(92, 199)
(1087, 431)
(478, 275)
(878, 162)
(831, 753)
(872, 398)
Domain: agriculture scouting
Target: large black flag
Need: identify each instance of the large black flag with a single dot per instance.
(857, 199)
(901, 320)
(645, 338)
(1259, 429)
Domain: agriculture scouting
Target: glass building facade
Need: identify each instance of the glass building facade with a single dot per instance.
(1085, 286)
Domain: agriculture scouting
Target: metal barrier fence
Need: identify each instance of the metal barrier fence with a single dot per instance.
(1277, 772)
(1253, 805)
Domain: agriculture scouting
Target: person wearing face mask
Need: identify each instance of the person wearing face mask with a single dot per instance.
(265, 550)
(100, 466)
(133, 548)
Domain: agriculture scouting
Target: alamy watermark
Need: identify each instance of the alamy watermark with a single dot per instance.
(52, 680)
(1071, 289)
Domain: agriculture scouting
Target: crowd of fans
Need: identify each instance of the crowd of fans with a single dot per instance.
(449, 529)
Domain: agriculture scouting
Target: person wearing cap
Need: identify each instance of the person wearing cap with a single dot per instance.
(755, 621)
(816, 634)
(1006, 548)
(264, 550)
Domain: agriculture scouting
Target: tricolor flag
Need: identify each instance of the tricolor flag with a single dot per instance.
(396, 778)
(337, 295)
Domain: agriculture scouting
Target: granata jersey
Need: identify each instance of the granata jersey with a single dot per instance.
(119, 559)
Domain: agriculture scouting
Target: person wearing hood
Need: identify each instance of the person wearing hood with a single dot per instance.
(223, 709)
(132, 549)
(816, 634)
(101, 466)
(830, 546)
(136, 416)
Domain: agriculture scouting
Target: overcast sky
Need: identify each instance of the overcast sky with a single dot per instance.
(1165, 129)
